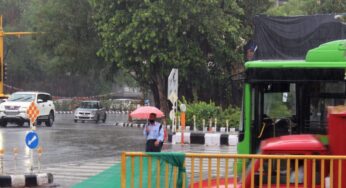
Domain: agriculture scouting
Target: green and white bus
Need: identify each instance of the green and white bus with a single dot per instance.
(291, 97)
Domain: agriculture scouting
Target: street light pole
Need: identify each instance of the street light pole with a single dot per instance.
(2, 35)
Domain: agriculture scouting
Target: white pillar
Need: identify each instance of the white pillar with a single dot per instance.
(194, 123)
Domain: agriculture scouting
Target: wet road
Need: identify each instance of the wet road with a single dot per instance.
(67, 141)
(73, 152)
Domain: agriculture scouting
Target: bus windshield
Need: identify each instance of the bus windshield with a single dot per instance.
(280, 104)
(292, 108)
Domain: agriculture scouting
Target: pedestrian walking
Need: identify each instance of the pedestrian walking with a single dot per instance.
(154, 133)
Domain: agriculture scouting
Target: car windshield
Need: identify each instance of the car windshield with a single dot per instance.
(89, 105)
(22, 97)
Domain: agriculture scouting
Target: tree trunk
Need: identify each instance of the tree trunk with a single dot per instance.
(155, 92)
(161, 87)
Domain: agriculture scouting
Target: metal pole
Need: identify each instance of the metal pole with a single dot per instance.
(174, 119)
(15, 152)
(182, 117)
(179, 125)
(1, 58)
(31, 161)
(31, 152)
(123, 170)
(2, 160)
(39, 151)
(2, 35)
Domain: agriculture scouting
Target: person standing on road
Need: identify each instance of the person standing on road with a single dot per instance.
(154, 133)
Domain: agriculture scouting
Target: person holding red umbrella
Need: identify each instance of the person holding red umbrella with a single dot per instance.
(154, 134)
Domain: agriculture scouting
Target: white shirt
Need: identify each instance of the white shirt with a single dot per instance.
(154, 133)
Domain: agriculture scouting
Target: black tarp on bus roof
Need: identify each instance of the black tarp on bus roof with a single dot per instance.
(279, 37)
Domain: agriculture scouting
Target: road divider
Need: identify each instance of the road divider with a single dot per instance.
(26, 180)
(198, 137)
(136, 125)
(208, 139)
(107, 112)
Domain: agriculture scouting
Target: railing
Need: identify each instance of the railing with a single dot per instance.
(216, 170)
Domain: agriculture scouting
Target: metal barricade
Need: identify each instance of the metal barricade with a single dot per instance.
(220, 170)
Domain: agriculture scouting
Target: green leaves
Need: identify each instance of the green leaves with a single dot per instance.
(167, 34)
(203, 110)
(308, 7)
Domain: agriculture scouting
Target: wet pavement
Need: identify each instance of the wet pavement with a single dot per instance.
(67, 141)
(73, 152)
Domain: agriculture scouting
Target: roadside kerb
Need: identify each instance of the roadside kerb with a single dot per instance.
(107, 112)
(26, 180)
(208, 139)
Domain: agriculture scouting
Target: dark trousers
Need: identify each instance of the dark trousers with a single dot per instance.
(150, 146)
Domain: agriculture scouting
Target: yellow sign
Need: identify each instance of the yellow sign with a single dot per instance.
(33, 112)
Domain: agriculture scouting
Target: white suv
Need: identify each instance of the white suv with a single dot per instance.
(14, 109)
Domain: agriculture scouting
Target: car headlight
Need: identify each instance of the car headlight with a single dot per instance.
(76, 113)
(2, 108)
(23, 109)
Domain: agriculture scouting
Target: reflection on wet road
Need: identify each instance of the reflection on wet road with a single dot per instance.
(68, 141)
(73, 152)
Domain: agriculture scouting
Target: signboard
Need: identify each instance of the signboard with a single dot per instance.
(32, 112)
(173, 97)
(31, 140)
(172, 92)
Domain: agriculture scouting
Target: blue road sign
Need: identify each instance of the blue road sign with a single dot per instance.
(31, 139)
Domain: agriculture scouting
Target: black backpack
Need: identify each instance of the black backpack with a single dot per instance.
(163, 133)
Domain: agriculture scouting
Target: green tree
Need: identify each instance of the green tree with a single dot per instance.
(70, 37)
(308, 7)
(65, 54)
(149, 38)
(292, 8)
(18, 57)
(325, 6)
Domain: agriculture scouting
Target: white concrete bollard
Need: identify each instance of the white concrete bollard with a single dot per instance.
(176, 138)
(232, 140)
(222, 129)
(212, 139)
(187, 128)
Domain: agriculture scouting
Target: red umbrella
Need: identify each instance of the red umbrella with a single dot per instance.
(143, 112)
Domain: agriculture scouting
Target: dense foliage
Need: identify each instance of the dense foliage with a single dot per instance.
(209, 111)
(308, 7)
(149, 38)
(62, 58)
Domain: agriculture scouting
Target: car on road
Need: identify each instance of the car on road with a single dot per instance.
(90, 111)
(14, 109)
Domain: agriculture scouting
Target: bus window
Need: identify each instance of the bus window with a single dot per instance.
(323, 95)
